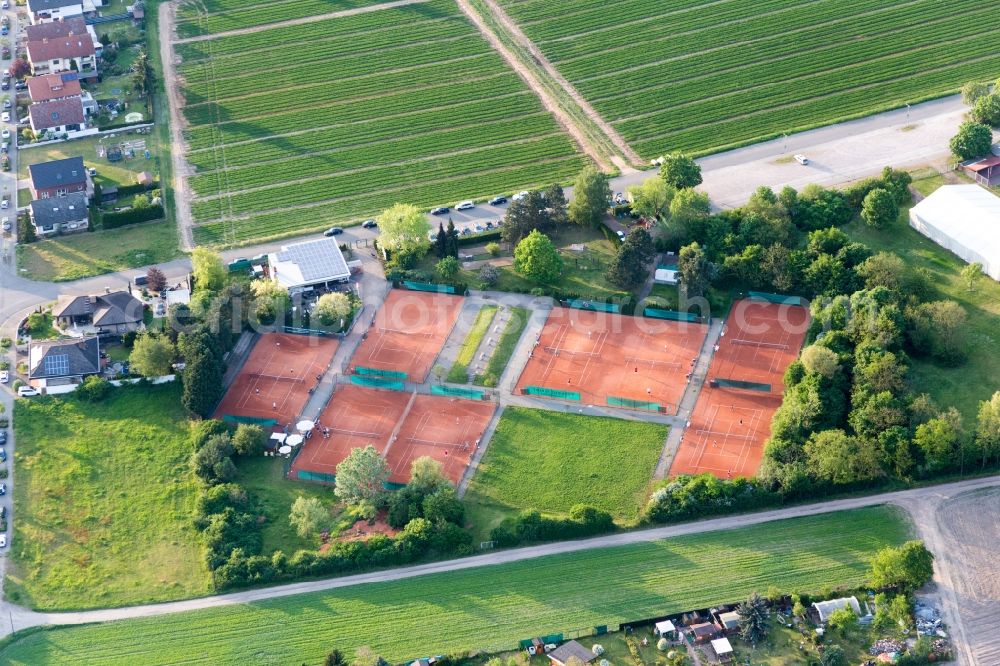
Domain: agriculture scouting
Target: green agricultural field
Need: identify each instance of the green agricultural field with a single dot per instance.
(103, 499)
(406, 104)
(492, 608)
(550, 461)
(701, 76)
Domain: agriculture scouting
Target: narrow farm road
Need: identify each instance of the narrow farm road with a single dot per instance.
(932, 495)
(300, 21)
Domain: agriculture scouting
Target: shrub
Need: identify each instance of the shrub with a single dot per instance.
(493, 248)
(597, 649)
(93, 389)
(662, 644)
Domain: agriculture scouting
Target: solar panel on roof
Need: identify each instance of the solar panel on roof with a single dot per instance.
(57, 364)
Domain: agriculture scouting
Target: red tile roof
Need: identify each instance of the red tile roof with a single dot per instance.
(53, 86)
(59, 39)
(56, 113)
(54, 29)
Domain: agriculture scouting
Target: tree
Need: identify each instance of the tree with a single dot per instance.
(628, 268)
(973, 91)
(249, 439)
(443, 506)
(651, 197)
(938, 440)
(156, 280)
(451, 249)
(142, 74)
(427, 475)
(884, 269)
(361, 477)
(537, 259)
(833, 655)
(270, 302)
(879, 208)
(591, 193)
(152, 355)
(972, 140)
(835, 456)
(938, 330)
(971, 274)
(680, 171)
(753, 618)
(556, 205)
(688, 212)
(988, 428)
(986, 110)
(25, 230)
(203, 386)
(308, 515)
(441, 240)
(332, 308)
(528, 214)
(493, 249)
(906, 568)
(821, 360)
(842, 620)
(489, 275)
(211, 463)
(403, 227)
(335, 658)
(20, 68)
(695, 270)
(93, 389)
(208, 270)
(447, 268)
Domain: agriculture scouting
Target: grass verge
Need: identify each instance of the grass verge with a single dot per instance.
(104, 498)
(505, 348)
(491, 608)
(549, 461)
(459, 372)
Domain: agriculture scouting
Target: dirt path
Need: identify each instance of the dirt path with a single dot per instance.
(300, 21)
(182, 194)
(532, 82)
(515, 30)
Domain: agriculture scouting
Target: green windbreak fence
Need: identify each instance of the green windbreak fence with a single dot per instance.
(673, 315)
(551, 638)
(428, 286)
(458, 392)
(783, 299)
(581, 304)
(740, 384)
(303, 331)
(378, 382)
(256, 420)
(551, 393)
(322, 477)
(378, 372)
(629, 403)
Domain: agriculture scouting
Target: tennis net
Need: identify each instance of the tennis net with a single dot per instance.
(759, 343)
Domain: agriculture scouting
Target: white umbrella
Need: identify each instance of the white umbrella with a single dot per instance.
(305, 425)
(285, 450)
(278, 437)
(293, 440)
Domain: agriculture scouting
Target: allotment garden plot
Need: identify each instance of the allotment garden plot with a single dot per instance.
(695, 75)
(406, 104)
(731, 421)
(600, 358)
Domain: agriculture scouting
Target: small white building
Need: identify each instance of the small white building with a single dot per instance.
(302, 266)
(665, 628)
(964, 219)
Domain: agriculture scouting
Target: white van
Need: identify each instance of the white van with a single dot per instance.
(25, 392)
(802, 159)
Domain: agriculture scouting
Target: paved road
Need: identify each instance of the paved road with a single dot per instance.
(22, 618)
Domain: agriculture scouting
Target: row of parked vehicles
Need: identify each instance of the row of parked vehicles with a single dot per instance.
(499, 200)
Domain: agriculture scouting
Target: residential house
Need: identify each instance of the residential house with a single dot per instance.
(49, 87)
(57, 117)
(564, 652)
(61, 362)
(114, 312)
(66, 27)
(59, 215)
(70, 49)
(44, 11)
(59, 178)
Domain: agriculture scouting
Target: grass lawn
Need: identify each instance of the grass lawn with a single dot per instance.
(976, 380)
(781, 647)
(23, 197)
(492, 607)
(264, 478)
(40, 327)
(104, 498)
(505, 348)
(459, 371)
(549, 461)
(108, 173)
(116, 352)
(98, 252)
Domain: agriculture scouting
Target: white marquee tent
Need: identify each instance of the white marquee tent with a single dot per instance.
(964, 219)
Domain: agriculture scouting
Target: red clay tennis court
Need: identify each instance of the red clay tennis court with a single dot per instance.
(732, 419)
(356, 417)
(447, 429)
(606, 357)
(274, 382)
(408, 332)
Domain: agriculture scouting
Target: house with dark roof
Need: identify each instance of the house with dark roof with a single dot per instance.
(568, 650)
(114, 312)
(63, 361)
(59, 178)
(63, 47)
(49, 87)
(58, 116)
(59, 215)
(45, 11)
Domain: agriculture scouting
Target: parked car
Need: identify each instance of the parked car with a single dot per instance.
(498, 201)
(5, 133)
(465, 205)
(6, 4)
(3, 437)
(25, 392)
(479, 228)
(3, 488)
(5, 223)
(440, 210)
(20, 85)
(3, 540)
(802, 159)
(4, 85)
(5, 147)
(489, 225)
(466, 231)
(333, 231)
(621, 234)
(5, 203)
(3, 453)
(369, 224)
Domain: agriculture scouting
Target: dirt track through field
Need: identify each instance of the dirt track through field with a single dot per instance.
(182, 194)
(300, 21)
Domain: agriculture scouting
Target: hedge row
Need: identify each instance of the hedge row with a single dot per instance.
(131, 216)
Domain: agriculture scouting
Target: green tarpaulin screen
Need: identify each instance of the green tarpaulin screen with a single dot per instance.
(551, 393)
(378, 372)
(740, 384)
(777, 298)
(581, 304)
(306, 475)
(458, 392)
(427, 286)
(377, 382)
(234, 418)
(615, 401)
(673, 315)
